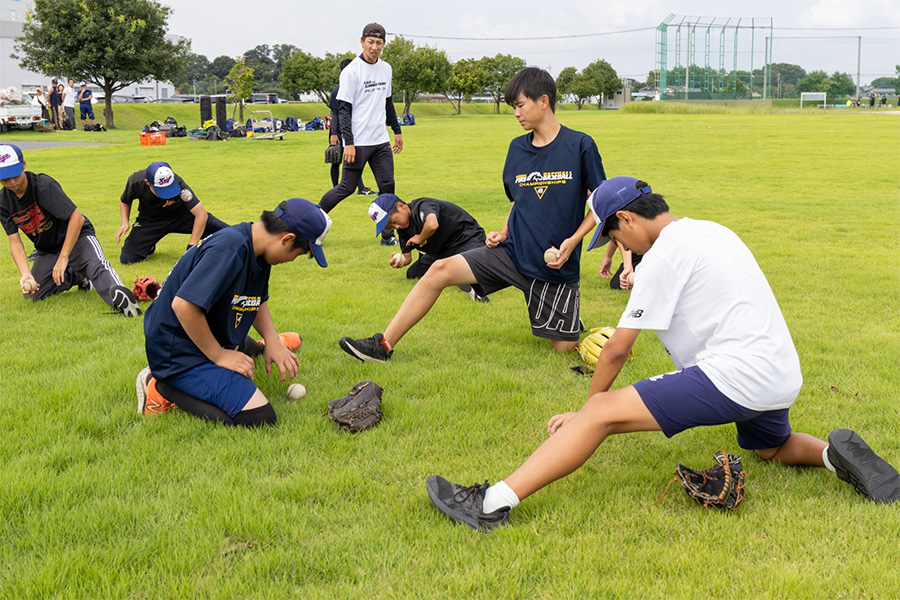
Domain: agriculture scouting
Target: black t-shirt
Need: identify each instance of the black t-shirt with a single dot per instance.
(456, 227)
(42, 213)
(549, 186)
(153, 207)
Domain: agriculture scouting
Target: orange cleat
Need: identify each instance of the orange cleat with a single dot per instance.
(150, 401)
(290, 340)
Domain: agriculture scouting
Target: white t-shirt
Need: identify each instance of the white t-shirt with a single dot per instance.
(702, 291)
(70, 97)
(366, 87)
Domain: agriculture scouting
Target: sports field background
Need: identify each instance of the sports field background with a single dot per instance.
(98, 502)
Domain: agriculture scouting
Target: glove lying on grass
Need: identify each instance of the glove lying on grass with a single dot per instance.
(146, 288)
(359, 409)
(720, 486)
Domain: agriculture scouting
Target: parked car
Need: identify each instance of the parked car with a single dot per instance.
(19, 113)
(174, 100)
(264, 99)
(143, 99)
(117, 99)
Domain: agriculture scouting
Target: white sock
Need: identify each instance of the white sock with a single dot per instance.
(499, 496)
(825, 460)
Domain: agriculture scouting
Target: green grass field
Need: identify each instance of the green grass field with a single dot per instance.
(98, 502)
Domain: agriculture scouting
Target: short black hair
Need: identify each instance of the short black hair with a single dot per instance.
(394, 208)
(648, 206)
(532, 83)
(276, 226)
(345, 62)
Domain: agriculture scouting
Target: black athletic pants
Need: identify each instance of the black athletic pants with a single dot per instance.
(380, 159)
(145, 233)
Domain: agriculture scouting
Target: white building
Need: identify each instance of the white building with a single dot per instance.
(12, 18)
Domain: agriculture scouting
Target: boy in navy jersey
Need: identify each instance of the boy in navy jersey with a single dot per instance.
(548, 176)
(215, 292)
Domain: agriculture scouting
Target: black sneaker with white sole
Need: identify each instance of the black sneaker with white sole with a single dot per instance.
(858, 465)
(389, 241)
(366, 349)
(470, 291)
(464, 504)
(123, 301)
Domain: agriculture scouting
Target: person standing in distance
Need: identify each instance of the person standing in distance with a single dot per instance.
(365, 108)
(335, 138)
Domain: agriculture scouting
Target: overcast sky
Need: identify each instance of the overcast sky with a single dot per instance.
(830, 27)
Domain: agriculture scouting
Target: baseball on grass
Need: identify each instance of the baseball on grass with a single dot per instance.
(630, 279)
(296, 391)
(29, 286)
(551, 255)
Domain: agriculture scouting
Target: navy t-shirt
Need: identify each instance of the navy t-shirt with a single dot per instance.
(549, 186)
(456, 227)
(42, 213)
(222, 276)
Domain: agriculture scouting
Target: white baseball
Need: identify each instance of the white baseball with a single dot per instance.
(551, 255)
(29, 286)
(296, 391)
(630, 279)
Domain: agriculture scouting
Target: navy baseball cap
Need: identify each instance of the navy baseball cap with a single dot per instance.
(11, 162)
(162, 178)
(610, 197)
(309, 221)
(380, 210)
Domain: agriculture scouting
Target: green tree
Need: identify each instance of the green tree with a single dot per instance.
(564, 82)
(842, 85)
(466, 78)
(239, 82)
(606, 79)
(416, 69)
(197, 68)
(260, 60)
(734, 85)
(838, 85)
(111, 43)
(220, 66)
(303, 72)
(789, 73)
(280, 53)
(583, 87)
(499, 70)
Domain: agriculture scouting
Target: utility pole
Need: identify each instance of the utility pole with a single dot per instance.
(858, 55)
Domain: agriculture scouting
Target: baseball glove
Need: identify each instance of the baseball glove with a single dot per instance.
(590, 347)
(359, 409)
(334, 155)
(720, 486)
(146, 288)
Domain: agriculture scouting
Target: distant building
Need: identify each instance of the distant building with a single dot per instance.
(12, 18)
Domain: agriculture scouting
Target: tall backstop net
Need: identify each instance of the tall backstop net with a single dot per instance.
(713, 58)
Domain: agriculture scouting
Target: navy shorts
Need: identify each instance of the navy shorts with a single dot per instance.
(87, 112)
(687, 398)
(216, 385)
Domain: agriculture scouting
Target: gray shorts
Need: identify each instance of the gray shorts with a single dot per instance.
(554, 308)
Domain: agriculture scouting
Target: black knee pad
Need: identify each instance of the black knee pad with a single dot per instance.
(192, 405)
(255, 417)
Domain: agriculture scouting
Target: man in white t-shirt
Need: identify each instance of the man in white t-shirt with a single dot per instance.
(700, 289)
(68, 102)
(366, 108)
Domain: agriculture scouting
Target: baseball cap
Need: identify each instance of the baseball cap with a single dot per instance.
(11, 161)
(82, 83)
(610, 197)
(373, 30)
(309, 221)
(162, 178)
(380, 210)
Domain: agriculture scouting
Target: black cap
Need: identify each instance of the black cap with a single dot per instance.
(373, 30)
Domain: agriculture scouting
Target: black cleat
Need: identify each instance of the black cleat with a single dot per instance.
(857, 464)
(464, 504)
(469, 291)
(366, 349)
(123, 301)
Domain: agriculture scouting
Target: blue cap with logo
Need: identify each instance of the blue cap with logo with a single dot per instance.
(309, 221)
(162, 178)
(380, 210)
(610, 197)
(11, 162)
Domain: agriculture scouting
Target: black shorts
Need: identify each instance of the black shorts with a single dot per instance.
(554, 308)
(145, 233)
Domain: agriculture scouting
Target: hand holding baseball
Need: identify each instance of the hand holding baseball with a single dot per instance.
(29, 285)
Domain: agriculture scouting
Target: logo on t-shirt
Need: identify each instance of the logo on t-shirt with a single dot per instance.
(242, 304)
(32, 221)
(541, 182)
(636, 313)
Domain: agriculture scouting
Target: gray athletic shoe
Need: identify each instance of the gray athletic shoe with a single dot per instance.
(469, 291)
(857, 464)
(123, 301)
(464, 504)
(366, 349)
